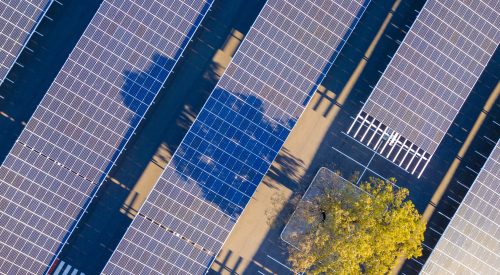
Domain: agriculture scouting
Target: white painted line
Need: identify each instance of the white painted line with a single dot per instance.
(260, 272)
(293, 214)
(380, 154)
(59, 267)
(75, 271)
(423, 168)
(279, 263)
(366, 168)
(66, 271)
(359, 163)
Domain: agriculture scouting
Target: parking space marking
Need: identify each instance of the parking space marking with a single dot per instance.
(385, 158)
(285, 266)
(359, 163)
(366, 167)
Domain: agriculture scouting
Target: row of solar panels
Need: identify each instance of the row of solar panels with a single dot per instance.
(83, 123)
(65, 152)
(428, 80)
(470, 243)
(118, 66)
(18, 21)
(201, 175)
(210, 178)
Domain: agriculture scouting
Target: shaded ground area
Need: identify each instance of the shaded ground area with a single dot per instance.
(157, 137)
(38, 65)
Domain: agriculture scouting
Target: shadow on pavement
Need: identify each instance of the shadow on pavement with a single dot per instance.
(223, 264)
(286, 169)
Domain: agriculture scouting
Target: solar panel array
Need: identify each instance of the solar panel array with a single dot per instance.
(429, 78)
(470, 244)
(83, 122)
(209, 180)
(18, 20)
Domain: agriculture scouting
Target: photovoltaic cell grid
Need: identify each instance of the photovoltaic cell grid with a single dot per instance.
(18, 20)
(83, 122)
(428, 80)
(228, 149)
(470, 243)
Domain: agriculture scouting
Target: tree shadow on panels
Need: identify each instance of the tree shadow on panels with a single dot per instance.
(227, 151)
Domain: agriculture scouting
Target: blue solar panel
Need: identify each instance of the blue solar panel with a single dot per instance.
(18, 21)
(83, 123)
(238, 133)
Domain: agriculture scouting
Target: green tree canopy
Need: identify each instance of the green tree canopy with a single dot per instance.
(362, 232)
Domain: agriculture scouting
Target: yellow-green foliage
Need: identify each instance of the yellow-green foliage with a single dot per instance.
(363, 233)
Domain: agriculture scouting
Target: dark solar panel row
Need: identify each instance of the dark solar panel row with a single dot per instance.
(470, 243)
(18, 20)
(236, 136)
(430, 77)
(84, 121)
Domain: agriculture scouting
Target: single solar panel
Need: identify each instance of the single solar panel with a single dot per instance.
(18, 21)
(193, 207)
(83, 123)
(470, 244)
(428, 80)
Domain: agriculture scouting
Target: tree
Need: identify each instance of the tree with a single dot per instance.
(358, 232)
